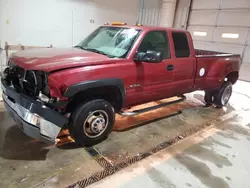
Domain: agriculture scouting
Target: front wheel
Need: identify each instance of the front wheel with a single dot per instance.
(222, 96)
(92, 122)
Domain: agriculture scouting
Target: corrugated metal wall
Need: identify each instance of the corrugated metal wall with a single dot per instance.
(222, 25)
(149, 12)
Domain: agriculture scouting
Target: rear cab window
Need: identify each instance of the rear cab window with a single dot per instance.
(181, 45)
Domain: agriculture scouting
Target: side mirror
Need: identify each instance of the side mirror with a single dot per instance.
(151, 56)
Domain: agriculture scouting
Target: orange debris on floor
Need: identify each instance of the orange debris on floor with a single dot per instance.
(64, 138)
(127, 122)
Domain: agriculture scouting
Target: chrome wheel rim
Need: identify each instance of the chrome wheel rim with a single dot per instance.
(226, 95)
(95, 124)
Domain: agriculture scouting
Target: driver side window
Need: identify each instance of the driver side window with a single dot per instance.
(156, 40)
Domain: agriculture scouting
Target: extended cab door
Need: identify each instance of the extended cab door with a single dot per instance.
(184, 62)
(152, 78)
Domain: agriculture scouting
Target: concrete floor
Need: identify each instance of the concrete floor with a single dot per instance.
(217, 157)
(28, 163)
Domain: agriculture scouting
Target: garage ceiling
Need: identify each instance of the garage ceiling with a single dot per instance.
(222, 25)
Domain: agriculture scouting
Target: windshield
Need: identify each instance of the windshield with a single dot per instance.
(110, 41)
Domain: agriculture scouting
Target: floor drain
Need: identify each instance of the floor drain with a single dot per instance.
(110, 169)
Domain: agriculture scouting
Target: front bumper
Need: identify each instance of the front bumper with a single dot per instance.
(33, 117)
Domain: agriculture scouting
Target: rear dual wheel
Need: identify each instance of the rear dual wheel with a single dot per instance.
(223, 96)
(208, 98)
(219, 97)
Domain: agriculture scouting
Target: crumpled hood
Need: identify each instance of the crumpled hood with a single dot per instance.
(51, 59)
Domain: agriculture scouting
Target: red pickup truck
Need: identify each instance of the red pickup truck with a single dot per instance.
(116, 67)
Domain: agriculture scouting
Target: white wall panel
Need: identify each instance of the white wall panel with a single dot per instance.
(233, 4)
(244, 72)
(226, 17)
(234, 18)
(206, 4)
(220, 47)
(232, 30)
(208, 30)
(235, 49)
(203, 17)
(202, 45)
(1, 38)
(110, 10)
(248, 38)
(61, 23)
(36, 22)
(246, 58)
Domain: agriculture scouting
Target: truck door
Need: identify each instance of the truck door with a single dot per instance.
(153, 78)
(183, 62)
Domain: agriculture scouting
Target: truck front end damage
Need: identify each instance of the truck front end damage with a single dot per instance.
(33, 117)
(22, 91)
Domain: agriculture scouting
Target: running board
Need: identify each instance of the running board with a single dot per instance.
(136, 112)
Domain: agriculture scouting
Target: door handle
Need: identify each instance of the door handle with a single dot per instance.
(170, 67)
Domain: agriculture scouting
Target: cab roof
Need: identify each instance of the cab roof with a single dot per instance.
(147, 28)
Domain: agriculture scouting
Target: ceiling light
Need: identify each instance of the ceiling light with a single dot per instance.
(199, 33)
(230, 35)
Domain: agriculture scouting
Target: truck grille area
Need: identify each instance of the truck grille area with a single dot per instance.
(24, 81)
(18, 74)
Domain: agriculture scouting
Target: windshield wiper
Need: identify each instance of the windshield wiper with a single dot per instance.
(78, 46)
(98, 51)
(94, 50)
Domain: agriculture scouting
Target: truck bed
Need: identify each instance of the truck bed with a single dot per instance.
(211, 68)
(207, 53)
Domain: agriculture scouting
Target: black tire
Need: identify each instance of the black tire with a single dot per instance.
(208, 98)
(82, 113)
(222, 96)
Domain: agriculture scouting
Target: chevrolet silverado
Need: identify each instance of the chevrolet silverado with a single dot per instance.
(114, 68)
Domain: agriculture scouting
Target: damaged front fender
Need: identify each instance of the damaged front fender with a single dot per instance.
(33, 117)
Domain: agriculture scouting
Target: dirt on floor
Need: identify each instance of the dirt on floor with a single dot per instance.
(25, 162)
(122, 145)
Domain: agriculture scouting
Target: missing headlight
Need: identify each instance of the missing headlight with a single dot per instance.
(43, 97)
(30, 83)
